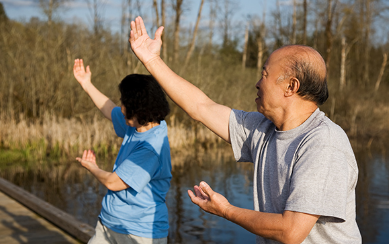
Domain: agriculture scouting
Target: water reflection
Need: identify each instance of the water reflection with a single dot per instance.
(72, 189)
(373, 196)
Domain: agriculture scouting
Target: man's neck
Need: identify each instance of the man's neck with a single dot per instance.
(292, 118)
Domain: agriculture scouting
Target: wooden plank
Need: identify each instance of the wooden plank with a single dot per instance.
(21, 225)
(63, 220)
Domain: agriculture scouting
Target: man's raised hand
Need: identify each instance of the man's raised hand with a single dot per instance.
(145, 48)
(83, 77)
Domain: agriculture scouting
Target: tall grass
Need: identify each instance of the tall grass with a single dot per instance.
(55, 136)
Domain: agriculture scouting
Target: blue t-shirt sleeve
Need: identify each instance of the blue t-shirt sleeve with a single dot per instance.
(139, 168)
(119, 122)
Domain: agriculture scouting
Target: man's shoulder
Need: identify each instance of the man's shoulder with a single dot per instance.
(324, 127)
(249, 119)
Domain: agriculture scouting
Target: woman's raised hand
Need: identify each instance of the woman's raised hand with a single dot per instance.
(82, 76)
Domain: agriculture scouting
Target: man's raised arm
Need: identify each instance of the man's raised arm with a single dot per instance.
(198, 105)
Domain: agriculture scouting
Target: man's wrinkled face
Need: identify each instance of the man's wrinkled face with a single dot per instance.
(271, 87)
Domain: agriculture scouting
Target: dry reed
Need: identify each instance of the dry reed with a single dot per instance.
(57, 136)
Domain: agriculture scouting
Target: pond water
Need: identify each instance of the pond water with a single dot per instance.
(72, 189)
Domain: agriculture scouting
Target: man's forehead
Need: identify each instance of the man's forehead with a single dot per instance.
(273, 62)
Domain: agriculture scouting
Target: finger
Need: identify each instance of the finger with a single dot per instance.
(93, 157)
(84, 154)
(158, 34)
(142, 26)
(138, 27)
(89, 155)
(131, 37)
(134, 34)
(193, 198)
(88, 69)
(206, 189)
(82, 64)
(75, 67)
(79, 159)
(200, 193)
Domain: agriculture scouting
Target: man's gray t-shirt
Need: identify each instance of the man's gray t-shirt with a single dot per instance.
(309, 169)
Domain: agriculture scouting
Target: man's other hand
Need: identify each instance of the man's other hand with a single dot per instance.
(208, 200)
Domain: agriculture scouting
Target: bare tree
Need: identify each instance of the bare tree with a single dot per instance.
(367, 26)
(164, 41)
(343, 64)
(260, 56)
(328, 32)
(177, 6)
(345, 49)
(95, 9)
(382, 70)
(49, 7)
(305, 12)
(123, 24)
(212, 17)
(229, 9)
(246, 38)
(192, 44)
(3, 15)
(294, 23)
(155, 5)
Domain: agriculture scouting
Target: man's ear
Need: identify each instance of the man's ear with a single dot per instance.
(292, 86)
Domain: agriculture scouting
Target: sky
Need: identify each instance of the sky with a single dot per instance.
(78, 10)
(25, 9)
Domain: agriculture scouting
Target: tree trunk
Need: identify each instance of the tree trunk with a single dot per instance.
(246, 38)
(226, 23)
(155, 5)
(329, 35)
(176, 43)
(192, 44)
(164, 41)
(294, 19)
(260, 57)
(382, 70)
(212, 17)
(343, 65)
(305, 6)
(367, 42)
(50, 13)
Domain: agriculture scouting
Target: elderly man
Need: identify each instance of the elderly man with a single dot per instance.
(305, 170)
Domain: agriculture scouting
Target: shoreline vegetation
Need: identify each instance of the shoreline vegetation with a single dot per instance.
(61, 138)
(44, 113)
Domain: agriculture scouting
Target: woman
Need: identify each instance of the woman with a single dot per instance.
(134, 209)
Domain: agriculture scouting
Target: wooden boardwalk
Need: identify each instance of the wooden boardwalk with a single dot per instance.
(32, 220)
(20, 225)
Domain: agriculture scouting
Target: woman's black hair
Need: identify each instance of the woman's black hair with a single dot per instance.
(143, 99)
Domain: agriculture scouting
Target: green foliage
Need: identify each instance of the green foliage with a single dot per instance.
(10, 156)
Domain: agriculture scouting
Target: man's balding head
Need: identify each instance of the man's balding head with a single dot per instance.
(307, 65)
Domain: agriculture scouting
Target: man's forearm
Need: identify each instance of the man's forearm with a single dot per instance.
(102, 102)
(267, 225)
(182, 92)
(288, 227)
(190, 98)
